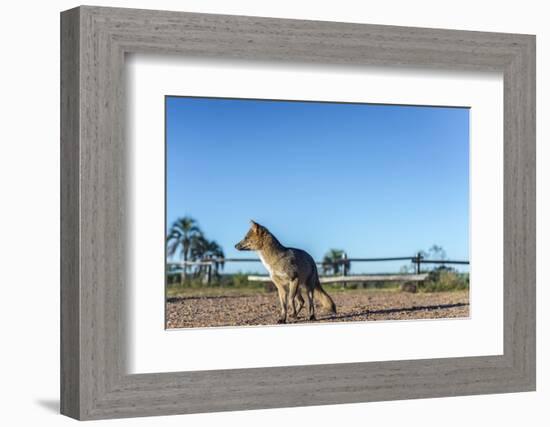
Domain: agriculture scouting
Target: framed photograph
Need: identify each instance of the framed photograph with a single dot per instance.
(346, 204)
(261, 213)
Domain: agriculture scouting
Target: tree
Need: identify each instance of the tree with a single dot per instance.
(333, 262)
(215, 252)
(437, 252)
(207, 250)
(182, 236)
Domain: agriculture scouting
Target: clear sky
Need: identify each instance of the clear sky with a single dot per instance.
(375, 180)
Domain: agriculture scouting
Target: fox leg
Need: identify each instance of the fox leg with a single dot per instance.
(283, 299)
(292, 290)
(301, 302)
(311, 304)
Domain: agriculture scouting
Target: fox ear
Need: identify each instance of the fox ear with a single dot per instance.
(253, 225)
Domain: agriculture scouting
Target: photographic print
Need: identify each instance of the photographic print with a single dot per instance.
(304, 212)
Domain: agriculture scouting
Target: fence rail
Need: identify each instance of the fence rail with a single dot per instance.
(358, 278)
(417, 260)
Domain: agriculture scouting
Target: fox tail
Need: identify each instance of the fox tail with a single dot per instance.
(324, 298)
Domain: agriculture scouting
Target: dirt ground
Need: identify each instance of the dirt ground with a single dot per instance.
(234, 309)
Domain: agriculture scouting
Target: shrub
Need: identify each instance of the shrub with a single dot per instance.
(445, 279)
(240, 280)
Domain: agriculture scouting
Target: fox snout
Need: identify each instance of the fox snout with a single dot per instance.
(241, 246)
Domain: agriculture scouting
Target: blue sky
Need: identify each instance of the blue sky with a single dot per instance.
(375, 180)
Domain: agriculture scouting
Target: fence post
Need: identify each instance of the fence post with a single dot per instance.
(182, 275)
(418, 260)
(208, 276)
(344, 267)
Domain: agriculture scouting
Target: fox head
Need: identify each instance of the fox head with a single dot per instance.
(254, 239)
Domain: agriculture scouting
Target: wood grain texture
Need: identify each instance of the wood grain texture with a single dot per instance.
(70, 292)
(94, 270)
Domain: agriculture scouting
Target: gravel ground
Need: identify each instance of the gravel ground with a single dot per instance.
(263, 308)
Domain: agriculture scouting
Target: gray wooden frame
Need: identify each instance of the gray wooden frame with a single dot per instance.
(94, 382)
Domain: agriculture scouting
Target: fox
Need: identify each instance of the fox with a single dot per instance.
(289, 269)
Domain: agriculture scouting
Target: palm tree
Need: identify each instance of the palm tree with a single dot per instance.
(207, 250)
(333, 261)
(215, 252)
(198, 251)
(182, 236)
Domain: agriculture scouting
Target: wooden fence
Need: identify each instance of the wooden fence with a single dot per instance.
(344, 277)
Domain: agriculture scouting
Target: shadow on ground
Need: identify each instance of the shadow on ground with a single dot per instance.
(201, 297)
(395, 310)
(51, 405)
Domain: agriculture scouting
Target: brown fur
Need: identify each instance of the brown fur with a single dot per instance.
(290, 270)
